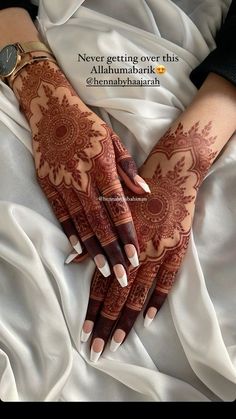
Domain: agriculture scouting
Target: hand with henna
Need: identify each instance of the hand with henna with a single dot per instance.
(174, 172)
(79, 160)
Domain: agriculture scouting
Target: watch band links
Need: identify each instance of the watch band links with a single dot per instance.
(32, 46)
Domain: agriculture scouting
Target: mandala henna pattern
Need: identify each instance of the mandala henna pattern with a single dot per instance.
(174, 171)
(75, 153)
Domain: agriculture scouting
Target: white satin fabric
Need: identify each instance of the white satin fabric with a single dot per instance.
(189, 351)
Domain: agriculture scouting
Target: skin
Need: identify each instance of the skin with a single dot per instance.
(78, 159)
(174, 170)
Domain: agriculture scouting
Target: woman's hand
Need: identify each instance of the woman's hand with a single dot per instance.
(163, 219)
(174, 171)
(78, 159)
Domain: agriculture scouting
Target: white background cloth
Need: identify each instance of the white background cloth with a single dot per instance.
(189, 351)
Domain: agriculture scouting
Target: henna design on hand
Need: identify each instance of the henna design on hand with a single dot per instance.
(174, 171)
(77, 158)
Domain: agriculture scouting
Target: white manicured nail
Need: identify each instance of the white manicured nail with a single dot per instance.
(105, 270)
(78, 248)
(114, 345)
(147, 321)
(123, 281)
(134, 260)
(102, 265)
(132, 255)
(71, 257)
(75, 243)
(120, 274)
(144, 186)
(84, 336)
(139, 181)
(94, 356)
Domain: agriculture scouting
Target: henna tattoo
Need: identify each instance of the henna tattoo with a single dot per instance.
(160, 217)
(174, 171)
(196, 141)
(75, 153)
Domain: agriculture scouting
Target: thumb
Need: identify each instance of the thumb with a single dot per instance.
(127, 169)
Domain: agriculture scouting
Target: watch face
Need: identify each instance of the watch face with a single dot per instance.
(8, 60)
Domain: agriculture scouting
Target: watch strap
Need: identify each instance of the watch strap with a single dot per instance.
(32, 46)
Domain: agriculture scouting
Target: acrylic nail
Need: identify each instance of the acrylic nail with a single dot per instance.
(102, 265)
(121, 275)
(117, 340)
(86, 330)
(132, 255)
(96, 350)
(139, 181)
(84, 337)
(152, 311)
(75, 243)
(71, 257)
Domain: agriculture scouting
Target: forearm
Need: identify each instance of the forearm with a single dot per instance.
(215, 102)
(200, 132)
(16, 26)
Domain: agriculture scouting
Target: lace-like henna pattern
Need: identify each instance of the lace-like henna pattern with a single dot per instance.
(174, 171)
(159, 219)
(75, 154)
(32, 81)
(195, 141)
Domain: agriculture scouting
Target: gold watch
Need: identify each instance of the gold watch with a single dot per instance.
(14, 57)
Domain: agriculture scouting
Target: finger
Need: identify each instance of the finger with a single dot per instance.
(99, 220)
(98, 291)
(85, 231)
(110, 312)
(127, 168)
(135, 302)
(62, 214)
(164, 281)
(120, 214)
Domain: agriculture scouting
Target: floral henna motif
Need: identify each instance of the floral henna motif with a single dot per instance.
(160, 217)
(64, 133)
(174, 171)
(32, 81)
(76, 156)
(196, 141)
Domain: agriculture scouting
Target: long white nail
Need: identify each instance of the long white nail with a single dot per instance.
(105, 270)
(84, 336)
(114, 345)
(94, 356)
(120, 274)
(71, 257)
(144, 186)
(78, 248)
(75, 243)
(134, 260)
(123, 280)
(147, 321)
